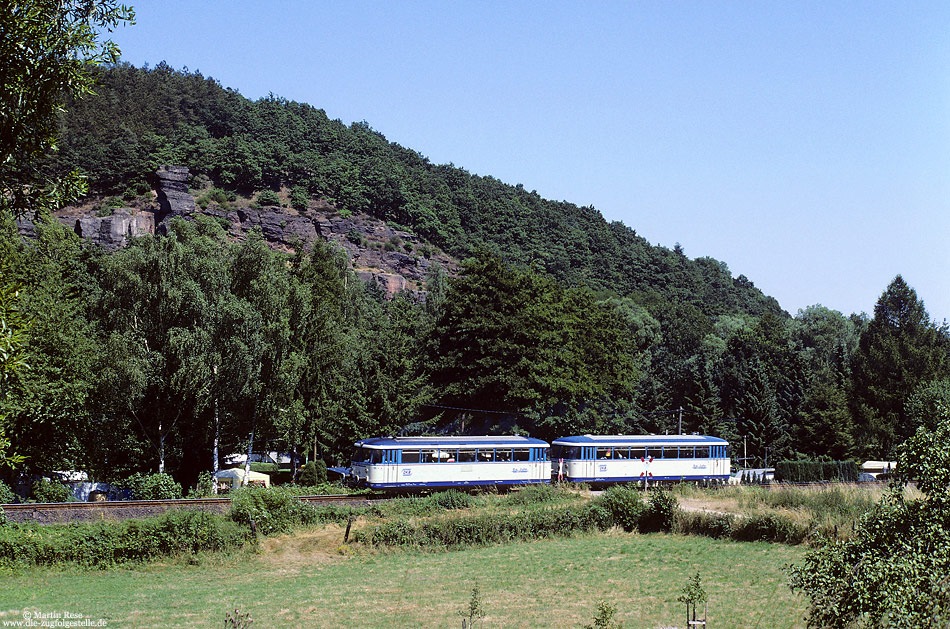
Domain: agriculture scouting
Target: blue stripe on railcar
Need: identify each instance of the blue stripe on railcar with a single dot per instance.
(640, 479)
(461, 483)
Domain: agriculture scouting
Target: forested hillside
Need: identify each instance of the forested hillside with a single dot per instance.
(141, 119)
(557, 323)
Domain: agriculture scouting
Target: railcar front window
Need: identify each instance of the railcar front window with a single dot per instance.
(376, 456)
(362, 455)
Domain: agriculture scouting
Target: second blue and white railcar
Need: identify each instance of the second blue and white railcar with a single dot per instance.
(650, 458)
(413, 463)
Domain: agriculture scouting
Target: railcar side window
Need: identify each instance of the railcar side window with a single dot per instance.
(652, 451)
(486, 456)
(522, 454)
(638, 453)
(686, 453)
(621, 453)
(503, 455)
(446, 456)
(467, 456)
(410, 456)
(702, 452)
(429, 456)
(605, 453)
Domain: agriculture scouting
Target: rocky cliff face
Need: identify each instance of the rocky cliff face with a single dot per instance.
(395, 260)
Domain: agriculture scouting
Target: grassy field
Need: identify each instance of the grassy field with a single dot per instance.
(834, 510)
(306, 579)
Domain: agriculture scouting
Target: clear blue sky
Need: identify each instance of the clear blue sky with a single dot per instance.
(806, 144)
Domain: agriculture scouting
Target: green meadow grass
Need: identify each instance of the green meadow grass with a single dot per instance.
(302, 580)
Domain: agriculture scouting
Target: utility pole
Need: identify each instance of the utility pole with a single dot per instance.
(681, 421)
(217, 433)
(247, 464)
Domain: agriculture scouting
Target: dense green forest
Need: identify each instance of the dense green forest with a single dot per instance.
(143, 118)
(559, 322)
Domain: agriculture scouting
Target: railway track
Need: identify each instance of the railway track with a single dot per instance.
(62, 512)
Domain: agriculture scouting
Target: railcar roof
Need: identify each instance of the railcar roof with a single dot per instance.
(435, 442)
(638, 440)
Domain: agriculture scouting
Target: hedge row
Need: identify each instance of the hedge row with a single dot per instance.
(816, 471)
(756, 528)
(106, 543)
(619, 506)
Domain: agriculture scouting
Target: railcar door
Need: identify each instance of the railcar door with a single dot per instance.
(388, 467)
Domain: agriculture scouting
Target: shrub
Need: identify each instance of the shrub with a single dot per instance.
(51, 491)
(660, 514)
(299, 199)
(716, 525)
(604, 617)
(153, 487)
(271, 509)
(264, 468)
(534, 494)
(7, 496)
(768, 528)
(114, 203)
(313, 473)
(452, 499)
(268, 198)
(622, 506)
(356, 238)
(204, 487)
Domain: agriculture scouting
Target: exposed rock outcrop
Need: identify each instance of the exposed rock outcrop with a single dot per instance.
(174, 200)
(114, 232)
(393, 259)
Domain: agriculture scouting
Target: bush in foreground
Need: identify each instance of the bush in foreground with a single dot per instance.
(893, 570)
(270, 510)
(103, 544)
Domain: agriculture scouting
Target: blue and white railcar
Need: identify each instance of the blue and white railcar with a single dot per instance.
(649, 458)
(394, 463)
